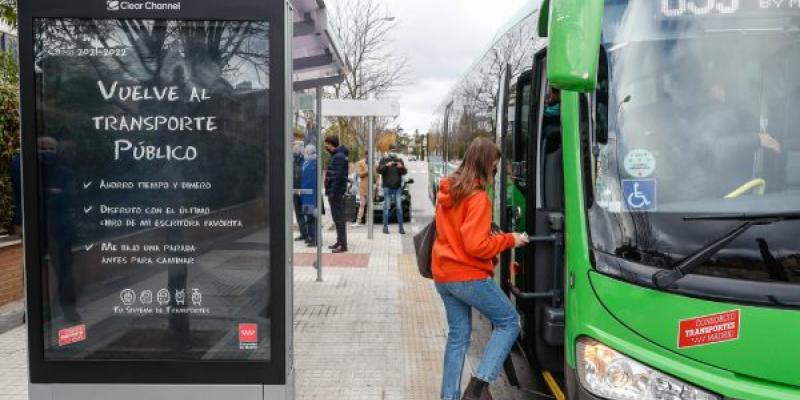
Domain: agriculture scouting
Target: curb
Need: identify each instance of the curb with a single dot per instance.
(12, 316)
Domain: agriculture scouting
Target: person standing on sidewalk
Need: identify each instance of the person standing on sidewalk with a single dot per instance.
(392, 168)
(309, 197)
(335, 188)
(463, 260)
(362, 170)
(299, 159)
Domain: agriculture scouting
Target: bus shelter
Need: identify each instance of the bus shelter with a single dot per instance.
(155, 174)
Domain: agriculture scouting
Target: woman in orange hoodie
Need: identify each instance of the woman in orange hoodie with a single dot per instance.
(463, 261)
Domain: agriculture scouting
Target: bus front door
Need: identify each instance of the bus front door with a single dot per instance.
(535, 198)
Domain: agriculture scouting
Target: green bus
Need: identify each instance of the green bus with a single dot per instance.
(648, 151)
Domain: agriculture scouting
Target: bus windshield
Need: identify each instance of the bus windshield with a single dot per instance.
(698, 112)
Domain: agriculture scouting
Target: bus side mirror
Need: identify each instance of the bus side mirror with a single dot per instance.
(544, 13)
(575, 27)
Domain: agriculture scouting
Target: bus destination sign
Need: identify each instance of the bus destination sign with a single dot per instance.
(683, 8)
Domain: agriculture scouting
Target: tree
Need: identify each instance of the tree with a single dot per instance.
(364, 28)
(9, 116)
(8, 12)
(384, 140)
(422, 146)
(9, 134)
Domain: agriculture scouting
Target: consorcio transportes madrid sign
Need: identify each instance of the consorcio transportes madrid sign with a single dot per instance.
(709, 329)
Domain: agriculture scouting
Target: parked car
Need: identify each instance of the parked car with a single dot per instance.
(405, 200)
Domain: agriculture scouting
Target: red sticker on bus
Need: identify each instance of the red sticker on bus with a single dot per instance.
(71, 335)
(709, 329)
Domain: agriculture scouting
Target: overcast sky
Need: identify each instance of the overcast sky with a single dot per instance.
(441, 39)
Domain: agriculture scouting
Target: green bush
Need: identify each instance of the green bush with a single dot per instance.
(9, 133)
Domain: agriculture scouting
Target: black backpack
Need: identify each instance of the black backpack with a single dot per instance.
(423, 245)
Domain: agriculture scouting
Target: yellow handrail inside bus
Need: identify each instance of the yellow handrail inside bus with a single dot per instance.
(553, 385)
(759, 183)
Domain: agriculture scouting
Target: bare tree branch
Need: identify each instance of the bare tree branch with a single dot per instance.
(365, 28)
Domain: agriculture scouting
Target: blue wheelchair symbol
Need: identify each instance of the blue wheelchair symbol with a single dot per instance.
(640, 195)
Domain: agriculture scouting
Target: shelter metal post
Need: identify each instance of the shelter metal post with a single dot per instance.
(320, 184)
(371, 192)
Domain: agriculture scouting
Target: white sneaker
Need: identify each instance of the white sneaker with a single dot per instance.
(356, 225)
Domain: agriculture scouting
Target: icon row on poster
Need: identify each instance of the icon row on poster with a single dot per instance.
(162, 297)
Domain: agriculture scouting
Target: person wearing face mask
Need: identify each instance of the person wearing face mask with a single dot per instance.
(58, 186)
(392, 169)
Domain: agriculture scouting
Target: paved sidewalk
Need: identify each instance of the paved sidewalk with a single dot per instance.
(13, 365)
(368, 333)
(373, 329)
(371, 332)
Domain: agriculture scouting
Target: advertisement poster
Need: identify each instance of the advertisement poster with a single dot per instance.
(152, 140)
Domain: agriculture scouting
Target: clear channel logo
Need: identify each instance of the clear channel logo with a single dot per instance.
(123, 5)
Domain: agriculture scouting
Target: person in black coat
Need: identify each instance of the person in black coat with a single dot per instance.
(335, 188)
(392, 169)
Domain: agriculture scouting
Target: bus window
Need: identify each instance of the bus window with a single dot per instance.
(515, 154)
(550, 177)
(522, 132)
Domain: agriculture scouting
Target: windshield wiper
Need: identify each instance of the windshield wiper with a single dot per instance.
(666, 278)
(765, 217)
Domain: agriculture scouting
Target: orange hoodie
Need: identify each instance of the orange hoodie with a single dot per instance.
(465, 247)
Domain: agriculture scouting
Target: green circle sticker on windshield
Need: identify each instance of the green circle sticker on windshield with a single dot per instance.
(640, 163)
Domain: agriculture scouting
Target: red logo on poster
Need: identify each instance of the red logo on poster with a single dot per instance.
(71, 335)
(709, 329)
(248, 333)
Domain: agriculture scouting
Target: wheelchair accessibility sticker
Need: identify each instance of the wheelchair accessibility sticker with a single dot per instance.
(640, 194)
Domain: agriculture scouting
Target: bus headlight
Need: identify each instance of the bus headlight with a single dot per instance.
(609, 374)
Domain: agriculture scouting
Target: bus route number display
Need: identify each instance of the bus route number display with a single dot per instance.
(678, 8)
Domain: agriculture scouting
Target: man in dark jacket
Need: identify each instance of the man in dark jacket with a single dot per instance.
(299, 159)
(335, 188)
(392, 168)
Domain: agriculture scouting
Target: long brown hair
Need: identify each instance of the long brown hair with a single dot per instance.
(475, 172)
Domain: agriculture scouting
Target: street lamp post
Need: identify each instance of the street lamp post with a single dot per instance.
(371, 177)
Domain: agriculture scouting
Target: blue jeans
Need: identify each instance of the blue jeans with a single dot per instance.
(388, 195)
(459, 298)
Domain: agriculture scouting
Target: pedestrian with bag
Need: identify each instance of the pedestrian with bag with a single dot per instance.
(392, 169)
(335, 189)
(463, 258)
